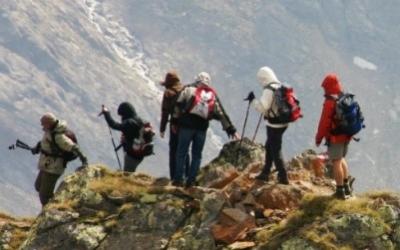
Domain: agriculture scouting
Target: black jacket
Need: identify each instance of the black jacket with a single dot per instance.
(130, 124)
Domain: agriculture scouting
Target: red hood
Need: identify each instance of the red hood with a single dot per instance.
(331, 85)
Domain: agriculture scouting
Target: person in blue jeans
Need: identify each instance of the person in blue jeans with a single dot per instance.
(197, 104)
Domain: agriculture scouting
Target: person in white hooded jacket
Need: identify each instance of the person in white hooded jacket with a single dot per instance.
(265, 105)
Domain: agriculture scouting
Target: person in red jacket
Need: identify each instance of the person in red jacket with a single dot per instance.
(337, 143)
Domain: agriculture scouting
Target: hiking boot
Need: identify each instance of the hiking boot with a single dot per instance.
(262, 177)
(177, 183)
(339, 194)
(348, 186)
(283, 181)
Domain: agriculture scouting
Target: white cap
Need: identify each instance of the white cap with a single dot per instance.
(203, 77)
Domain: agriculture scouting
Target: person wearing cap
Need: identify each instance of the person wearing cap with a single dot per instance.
(51, 161)
(197, 104)
(173, 87)
(130, 126)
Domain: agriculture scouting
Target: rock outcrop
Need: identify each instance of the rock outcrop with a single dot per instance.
(96, 208)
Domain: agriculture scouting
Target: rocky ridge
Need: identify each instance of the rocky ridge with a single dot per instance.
(96, 208)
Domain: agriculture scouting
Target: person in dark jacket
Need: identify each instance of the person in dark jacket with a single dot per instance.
(130, 126)
(173, 87)
(193, 125)
(337, 143)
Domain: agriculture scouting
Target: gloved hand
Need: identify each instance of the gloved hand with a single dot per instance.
(81, 156)
(84, 161)
(36, 149)
(250, 97)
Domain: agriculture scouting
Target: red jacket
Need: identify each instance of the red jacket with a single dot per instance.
(332, 88)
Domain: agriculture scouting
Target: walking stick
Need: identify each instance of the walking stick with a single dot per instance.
(243, 130)
(258, 126)
(112, 140)
(115, 147)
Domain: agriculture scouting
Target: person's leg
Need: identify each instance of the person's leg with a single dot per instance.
(173, 144)
(277, 157)
(47, 185)
(199, 140)
(335, 153)
(131, 163)
(264, 175)
(338, 171)
(38, 181)
(184, 139)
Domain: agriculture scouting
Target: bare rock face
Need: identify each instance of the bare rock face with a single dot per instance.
(96, 208)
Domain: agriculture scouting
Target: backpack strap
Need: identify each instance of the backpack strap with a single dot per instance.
(54, 146)
(270, 111)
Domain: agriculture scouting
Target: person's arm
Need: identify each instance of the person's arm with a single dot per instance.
(325, 122)
(167, 106)
(66, 144)
(112, 123)
(264, 104)
(222, 116)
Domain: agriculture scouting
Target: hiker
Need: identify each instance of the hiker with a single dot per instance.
(196, 106)
(337, 143)
(52, 163)
(273, 146)
(173, 87)
(130, 127)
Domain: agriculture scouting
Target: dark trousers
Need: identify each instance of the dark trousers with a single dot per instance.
(173, 145)
(273, 152)
(131, 163)
(186, 137)
(45, 184)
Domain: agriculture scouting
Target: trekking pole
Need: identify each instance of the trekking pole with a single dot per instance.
(243, 130)
(115, 147)
(258, 126)
(112, 139)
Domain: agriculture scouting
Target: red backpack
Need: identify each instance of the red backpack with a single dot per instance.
(287, 105)
(203, 102)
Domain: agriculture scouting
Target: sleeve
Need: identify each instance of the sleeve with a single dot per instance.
(265, 102)
(165, 111)
(64, 142)
(112, 123)
(325, 122)
(221, 115)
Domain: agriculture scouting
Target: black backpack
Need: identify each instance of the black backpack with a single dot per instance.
(287, 104)
(349, 119)
(66, 155)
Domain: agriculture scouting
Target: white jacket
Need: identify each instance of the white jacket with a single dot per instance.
(267, 77)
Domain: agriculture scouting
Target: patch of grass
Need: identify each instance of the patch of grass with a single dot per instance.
(18, 237)
(314, 210)
(118, 185)
(67, 205)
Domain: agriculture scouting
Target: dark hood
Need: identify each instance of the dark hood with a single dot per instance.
(126, 111)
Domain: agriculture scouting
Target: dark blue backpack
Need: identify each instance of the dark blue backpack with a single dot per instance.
(348, 118)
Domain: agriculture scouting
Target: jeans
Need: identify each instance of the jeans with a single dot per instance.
(273, 152)
(173, 145)
(186, 137)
